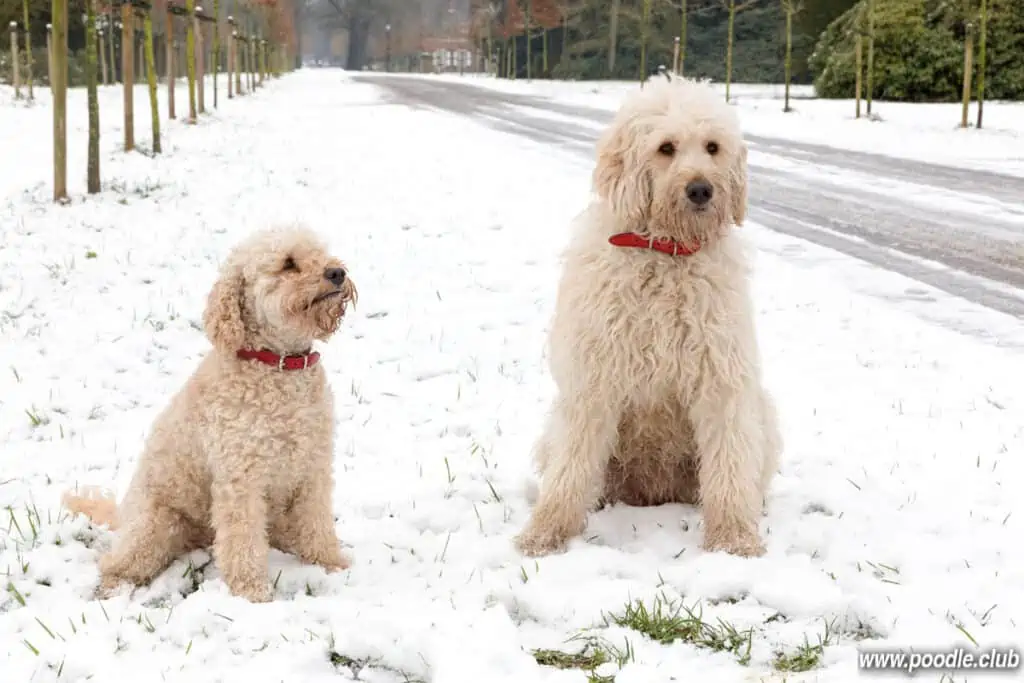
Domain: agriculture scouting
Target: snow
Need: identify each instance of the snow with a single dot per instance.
(924, 132)
(894, 518)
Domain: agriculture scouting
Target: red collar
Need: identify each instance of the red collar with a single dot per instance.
(299, 362)
(665, 245)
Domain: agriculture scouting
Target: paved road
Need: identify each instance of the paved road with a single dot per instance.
(906, 216)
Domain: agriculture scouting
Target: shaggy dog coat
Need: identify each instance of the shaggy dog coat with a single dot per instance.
(654, 355)
(241, 458)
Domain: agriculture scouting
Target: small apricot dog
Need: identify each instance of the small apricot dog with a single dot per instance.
(652, 347)
(242, 457)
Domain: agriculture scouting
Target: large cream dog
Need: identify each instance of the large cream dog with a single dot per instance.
(653, 347)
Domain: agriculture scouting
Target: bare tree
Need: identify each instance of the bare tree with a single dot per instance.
(968, 12)
(734, 9)
(28, 50)
(92, 175)
(790, 7)
(613, 34)
(983, 30)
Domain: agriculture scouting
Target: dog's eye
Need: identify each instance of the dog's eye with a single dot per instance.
(289, 264)
(712, 148)
(667, 148)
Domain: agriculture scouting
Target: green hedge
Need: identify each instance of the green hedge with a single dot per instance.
(919, 48)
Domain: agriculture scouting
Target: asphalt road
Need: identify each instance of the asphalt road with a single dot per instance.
(905, 216)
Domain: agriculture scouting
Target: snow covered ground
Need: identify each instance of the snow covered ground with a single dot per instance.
(895, 520)
(926, 132)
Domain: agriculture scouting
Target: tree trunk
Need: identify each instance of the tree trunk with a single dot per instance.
(216, 48)
(613, 35)
(684, 12)
(59, 84)
(101, 47)
(190, 58)
(644, 30)
(527, 32)
(200, 65)
(565, 37)
(127, 73)
(231, 64)
(111, 38)
(728, 48)
(968, 58)
(544, 38)
(789, 52)
(871, 55)
(28, 51)
(858, 50)
(15, 64)
(238, 65)
(49, 55)
(981, 59)
(92, 180)
(297, 23)
(169, 58)
(154, 106)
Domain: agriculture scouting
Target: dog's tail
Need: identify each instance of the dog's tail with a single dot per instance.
(95, 503)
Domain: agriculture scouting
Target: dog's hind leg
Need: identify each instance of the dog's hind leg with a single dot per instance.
(772, 443)
(581, 436)
(146, 545)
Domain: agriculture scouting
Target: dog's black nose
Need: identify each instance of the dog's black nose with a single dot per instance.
(335, 275)
(699, 192)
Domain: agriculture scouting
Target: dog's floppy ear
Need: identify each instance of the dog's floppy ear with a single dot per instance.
(222, 319)
(738, 186)
(618, 177)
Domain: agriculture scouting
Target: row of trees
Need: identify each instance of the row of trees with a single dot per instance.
(260, 49)
(910, 50)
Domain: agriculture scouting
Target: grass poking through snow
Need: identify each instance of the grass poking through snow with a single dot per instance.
(668, 621)
(806, 656)
(594, 654)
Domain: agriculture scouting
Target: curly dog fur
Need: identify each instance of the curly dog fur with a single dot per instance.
(654, 356)
(242, 457)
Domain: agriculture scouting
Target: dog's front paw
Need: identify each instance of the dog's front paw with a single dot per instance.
(339, 562)
(111, 585)
(262, 594)
(253, 591)
(534, 542)
(741, 544)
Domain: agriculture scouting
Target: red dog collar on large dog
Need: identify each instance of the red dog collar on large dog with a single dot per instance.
(300, 362)
(665, 245)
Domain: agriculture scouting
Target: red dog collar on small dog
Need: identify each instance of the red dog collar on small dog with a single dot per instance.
(665, 245)
(300, 362)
